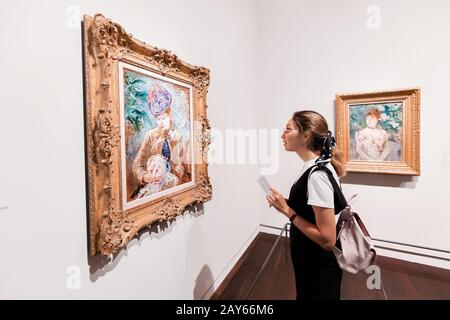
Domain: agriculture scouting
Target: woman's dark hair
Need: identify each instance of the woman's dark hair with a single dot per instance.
(316, 124)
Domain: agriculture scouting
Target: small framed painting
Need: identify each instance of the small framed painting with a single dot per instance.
(379, 132)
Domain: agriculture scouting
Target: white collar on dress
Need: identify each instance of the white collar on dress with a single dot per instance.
(308, 164)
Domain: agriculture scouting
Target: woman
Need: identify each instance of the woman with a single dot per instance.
(161, 140)
(372, 141)
(311, 206)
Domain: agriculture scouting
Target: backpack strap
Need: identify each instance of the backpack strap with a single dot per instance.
(337, 189)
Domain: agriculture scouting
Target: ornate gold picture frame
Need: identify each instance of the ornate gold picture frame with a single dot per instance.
(147, 134)
(379, 132)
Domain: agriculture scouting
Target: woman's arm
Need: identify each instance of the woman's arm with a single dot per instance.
(386, 149)
(359, 147)
(139, 163)
(324, 233)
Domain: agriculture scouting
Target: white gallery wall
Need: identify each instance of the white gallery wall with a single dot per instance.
(42, 171)
(312, 50)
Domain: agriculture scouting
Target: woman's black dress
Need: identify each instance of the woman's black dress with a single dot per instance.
(317, 274)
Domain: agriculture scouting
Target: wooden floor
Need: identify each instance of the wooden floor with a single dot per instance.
(401, 279)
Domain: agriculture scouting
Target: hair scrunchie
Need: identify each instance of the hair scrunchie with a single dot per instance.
(327, 153)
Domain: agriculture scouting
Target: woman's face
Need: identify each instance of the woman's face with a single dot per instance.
(163, 121)
(292, 138)
(371, 121)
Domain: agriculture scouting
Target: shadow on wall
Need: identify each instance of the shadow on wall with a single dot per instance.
(382, 180)
(204, 283)
(100, 265)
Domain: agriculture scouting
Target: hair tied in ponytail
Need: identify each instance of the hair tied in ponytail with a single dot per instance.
(327, 153)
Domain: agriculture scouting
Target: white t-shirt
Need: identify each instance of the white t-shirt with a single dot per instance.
(320, 189)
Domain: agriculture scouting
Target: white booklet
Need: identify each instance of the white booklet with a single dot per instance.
(265, 185)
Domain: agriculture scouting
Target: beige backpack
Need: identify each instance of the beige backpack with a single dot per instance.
(354, 250)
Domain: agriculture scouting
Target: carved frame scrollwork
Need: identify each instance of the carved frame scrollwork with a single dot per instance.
(105, 44)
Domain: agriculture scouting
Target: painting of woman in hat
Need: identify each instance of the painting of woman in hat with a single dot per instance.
(158, 135)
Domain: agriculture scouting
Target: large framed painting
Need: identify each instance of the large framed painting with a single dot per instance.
(379, 132)
(147, 134)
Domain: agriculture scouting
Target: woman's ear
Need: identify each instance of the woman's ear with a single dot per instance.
(306, 138)
(306, 135)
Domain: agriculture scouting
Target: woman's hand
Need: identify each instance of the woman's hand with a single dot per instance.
(150, 178)
(277, 200)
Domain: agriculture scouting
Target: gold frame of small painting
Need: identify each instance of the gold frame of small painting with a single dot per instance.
(379, 132)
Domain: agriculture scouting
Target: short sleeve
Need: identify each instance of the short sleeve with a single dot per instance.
(320, 190)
